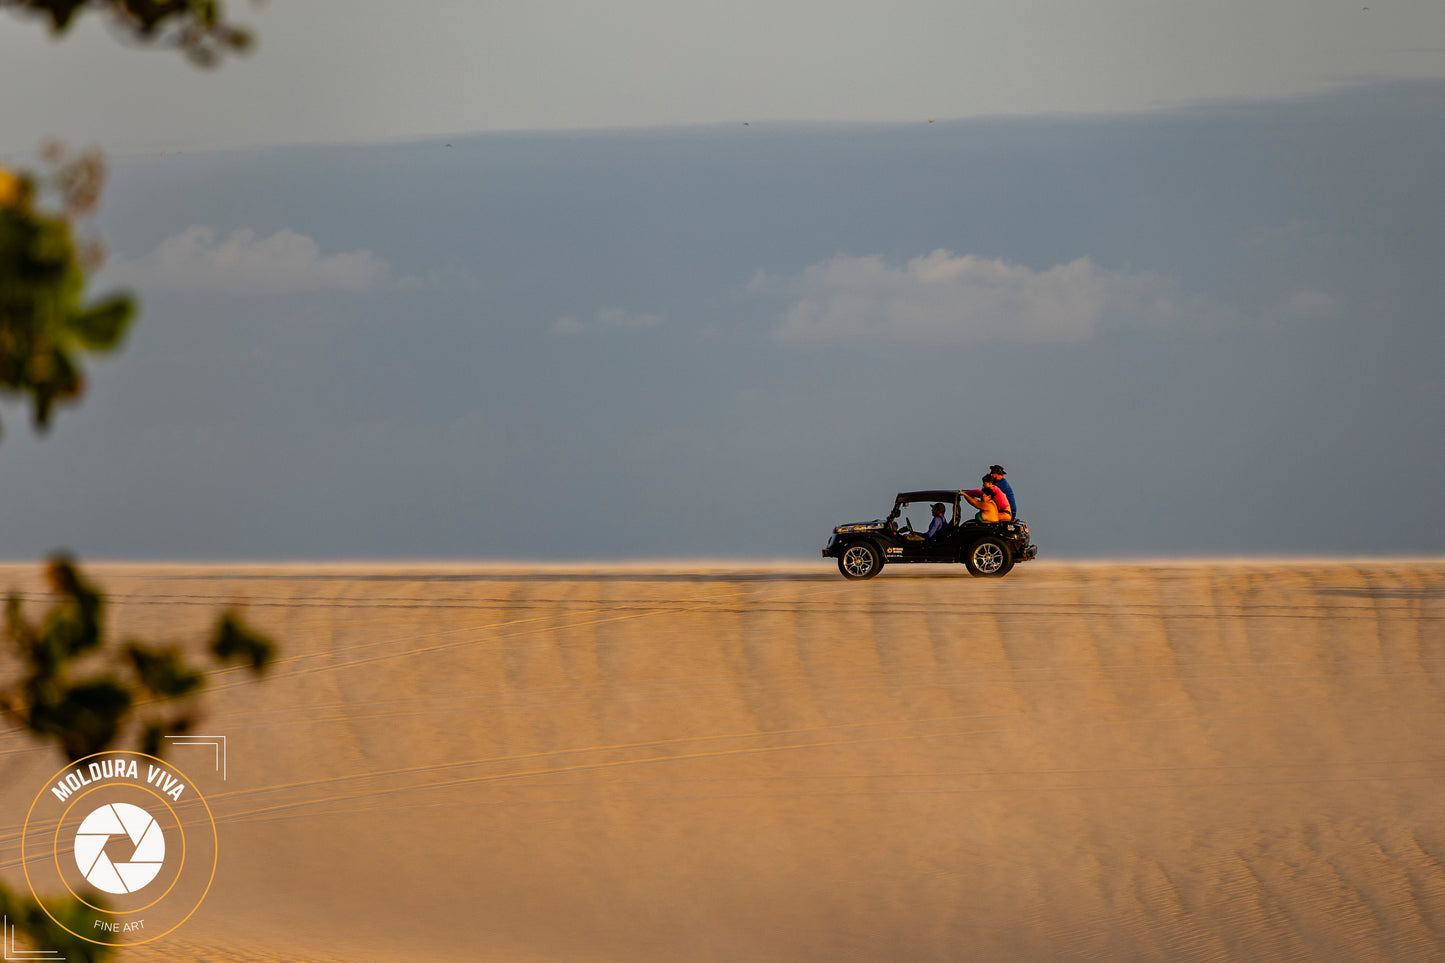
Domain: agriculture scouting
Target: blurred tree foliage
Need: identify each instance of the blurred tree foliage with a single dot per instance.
(26, 915)
(74, 686)
(197, 28)
(44, 324)
(84, 694)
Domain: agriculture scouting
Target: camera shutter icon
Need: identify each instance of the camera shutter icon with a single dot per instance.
(107, 822)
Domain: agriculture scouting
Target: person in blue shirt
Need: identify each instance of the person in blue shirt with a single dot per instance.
(996, 473)
(935, 527)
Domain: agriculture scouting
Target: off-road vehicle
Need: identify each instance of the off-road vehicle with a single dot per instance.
(988, 549)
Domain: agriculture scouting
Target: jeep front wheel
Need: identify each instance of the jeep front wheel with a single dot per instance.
(860, 560)
(988, 558)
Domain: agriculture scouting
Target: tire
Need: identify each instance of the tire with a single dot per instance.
(860, 560)
(988, 558)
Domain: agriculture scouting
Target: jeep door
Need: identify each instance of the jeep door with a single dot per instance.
(916, 548)
(948, 547)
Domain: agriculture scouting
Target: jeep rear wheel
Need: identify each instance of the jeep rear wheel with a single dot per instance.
(988, 558)
(860, 560)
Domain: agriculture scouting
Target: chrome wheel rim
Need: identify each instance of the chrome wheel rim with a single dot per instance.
(988, 558)
(858, 560)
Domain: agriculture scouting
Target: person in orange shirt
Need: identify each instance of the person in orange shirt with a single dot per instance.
(991, 503)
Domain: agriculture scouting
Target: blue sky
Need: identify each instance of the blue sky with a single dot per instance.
(1207, 327)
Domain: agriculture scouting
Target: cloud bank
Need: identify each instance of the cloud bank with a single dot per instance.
(616, 319)
(1311, 303)
(947, 299)
(195, 261)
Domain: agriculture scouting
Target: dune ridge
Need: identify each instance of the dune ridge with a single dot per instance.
(726, 761)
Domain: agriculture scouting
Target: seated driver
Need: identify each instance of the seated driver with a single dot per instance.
(935, 527)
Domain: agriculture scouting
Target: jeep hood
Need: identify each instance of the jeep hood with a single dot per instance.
(876, 525)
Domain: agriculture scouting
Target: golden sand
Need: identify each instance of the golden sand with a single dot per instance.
(1182, 761)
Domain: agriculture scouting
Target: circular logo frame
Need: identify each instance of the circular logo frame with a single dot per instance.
(108, 778)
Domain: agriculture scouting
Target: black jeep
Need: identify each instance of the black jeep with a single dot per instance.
(989, 549)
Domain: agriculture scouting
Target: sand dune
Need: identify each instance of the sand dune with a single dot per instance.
(711, 762)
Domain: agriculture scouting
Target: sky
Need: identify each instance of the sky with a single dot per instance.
(363, 71)
(554, 281)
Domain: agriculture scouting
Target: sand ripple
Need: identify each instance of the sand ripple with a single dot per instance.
(1171, 762)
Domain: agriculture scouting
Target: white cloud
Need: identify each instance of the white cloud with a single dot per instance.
(451, 276)
(618, 318)
(613, 318)
(945, 299)
(1310, 303)
(195, 261)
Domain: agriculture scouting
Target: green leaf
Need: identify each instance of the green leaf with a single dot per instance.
(73, 626)
(153, 739)
(102, 327)
(21, 635)
(235, 642)
(86, 718)
(153, 734)
(60, 11)
(163, 672)
(42, 931)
